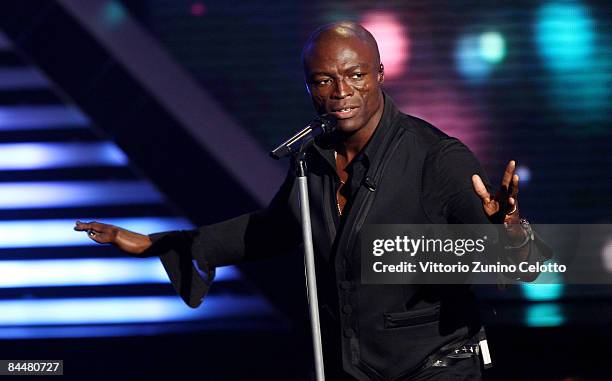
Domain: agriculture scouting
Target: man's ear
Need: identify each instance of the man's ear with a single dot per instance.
(381, 74)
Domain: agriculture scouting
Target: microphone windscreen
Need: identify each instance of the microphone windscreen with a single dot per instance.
(328, 123)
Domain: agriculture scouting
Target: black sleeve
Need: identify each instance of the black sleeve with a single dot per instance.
(191, 256)
(448, 194)
(452, 198)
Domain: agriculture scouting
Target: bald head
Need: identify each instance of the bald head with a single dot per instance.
(344, 75)
(341, 30)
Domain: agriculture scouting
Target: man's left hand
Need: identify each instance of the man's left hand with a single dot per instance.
(503, 206)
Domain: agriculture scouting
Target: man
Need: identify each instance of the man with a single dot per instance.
(380, 166)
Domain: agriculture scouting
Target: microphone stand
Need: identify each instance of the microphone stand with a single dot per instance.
(309, 263)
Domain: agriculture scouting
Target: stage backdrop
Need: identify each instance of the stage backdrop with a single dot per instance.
(523, 80)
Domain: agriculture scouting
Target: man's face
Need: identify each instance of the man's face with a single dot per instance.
(343, 79)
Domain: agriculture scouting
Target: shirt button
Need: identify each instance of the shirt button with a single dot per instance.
(347, 309)
(349, 333)
(345, 285)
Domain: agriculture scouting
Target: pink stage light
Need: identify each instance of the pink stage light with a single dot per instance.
(197, 9)
(393, 41)
(455, 114)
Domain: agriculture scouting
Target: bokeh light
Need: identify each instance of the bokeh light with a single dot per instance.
(448, 110)
(197, 9)
(524, 174)
(564, 35)
(477, 54)
(469, 60)
(542, 292)
(579, 89)
(492, 47)
(393, 41)
(544, 315)
(549, 287)
(114, 13)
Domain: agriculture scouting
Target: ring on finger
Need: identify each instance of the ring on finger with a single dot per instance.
(511, 212)
(91, 233)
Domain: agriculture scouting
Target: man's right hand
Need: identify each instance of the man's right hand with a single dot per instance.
(130, 242)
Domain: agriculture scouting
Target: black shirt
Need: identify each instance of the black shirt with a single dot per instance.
(408, 173)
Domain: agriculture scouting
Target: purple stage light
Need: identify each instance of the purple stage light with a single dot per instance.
(197, 9)
(455, 114)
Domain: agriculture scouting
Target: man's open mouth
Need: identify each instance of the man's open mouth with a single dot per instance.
(344, 113)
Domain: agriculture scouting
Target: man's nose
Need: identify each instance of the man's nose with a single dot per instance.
(342, 89)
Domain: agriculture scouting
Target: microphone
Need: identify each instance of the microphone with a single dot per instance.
(323, 124)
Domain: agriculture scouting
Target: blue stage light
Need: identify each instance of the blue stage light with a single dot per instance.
(477, 54)
(564, 35)
(548, 286)
(544, 315)
(469, 61)
(90, 272)
(40, 117)
(247, 321)
(581, 86)
(53, 233)
(31, 156)
(474, 60)
(124, 310)
(492, 47)
(21, 78)
(114, 13)
(524, 174)
(542, 292)
(63, 194)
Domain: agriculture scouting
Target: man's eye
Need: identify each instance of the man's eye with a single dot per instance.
(357, 75)
(322, 81)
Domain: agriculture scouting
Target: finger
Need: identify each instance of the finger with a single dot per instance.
(82, 226)
(92, 227)
(512, 208)
(480, 189)
(97, 226)
(508, 175)
(515, 186)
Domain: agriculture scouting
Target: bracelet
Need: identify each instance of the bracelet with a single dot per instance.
(529, 236)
